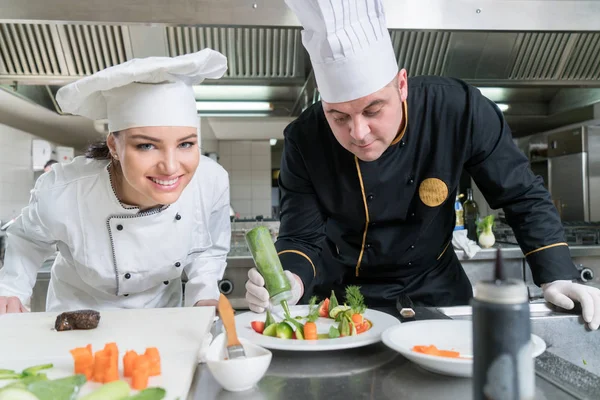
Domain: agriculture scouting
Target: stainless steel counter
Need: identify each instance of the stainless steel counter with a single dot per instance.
(372, 372)
(377, 372)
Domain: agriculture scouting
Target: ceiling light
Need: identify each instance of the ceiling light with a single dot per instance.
(273, 142)
(503, 107)
(233, 106)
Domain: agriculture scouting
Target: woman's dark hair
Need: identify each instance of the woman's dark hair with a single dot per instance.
(99, 150)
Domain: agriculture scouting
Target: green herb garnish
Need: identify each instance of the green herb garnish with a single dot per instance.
(355, 299)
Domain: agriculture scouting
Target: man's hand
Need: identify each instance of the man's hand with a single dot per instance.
(565, 293)
(9, 305)
(257, 295)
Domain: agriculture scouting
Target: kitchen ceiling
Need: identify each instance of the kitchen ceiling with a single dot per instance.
(548, 79)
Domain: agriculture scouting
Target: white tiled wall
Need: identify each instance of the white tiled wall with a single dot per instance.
(16, 172)
(249, 166)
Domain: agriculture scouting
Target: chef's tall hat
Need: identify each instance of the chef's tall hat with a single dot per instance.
(349, 46)
(153, 91)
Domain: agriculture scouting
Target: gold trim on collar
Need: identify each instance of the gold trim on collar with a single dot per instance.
(404, 124)
(303, 255)
(546, 247)
(362, 190)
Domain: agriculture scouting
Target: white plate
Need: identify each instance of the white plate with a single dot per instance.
(381, 321)
(445, 334)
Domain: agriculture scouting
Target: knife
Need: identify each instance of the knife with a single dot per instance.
(234, 348)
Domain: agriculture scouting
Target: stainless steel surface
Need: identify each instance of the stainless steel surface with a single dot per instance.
(571, 141)
(574, 172)
(374, 372)
(593, 143)
(568, 185)
(251, 52)
(503, 15)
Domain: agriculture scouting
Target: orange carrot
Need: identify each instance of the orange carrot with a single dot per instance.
(357, 319)
(141, 372)
(112, 348)
(434, 351)
(139, 380)
(310, 331)
(154, 356)
(111, 374)
(128, 361)
(101, 364)
(84, 361)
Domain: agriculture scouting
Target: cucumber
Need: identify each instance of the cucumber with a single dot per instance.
(16, 394)
(154, 393)
(116, 390)
(333, 302)
(270, 330)
(336, 310)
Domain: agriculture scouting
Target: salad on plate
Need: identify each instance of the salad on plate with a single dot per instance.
(348, 319)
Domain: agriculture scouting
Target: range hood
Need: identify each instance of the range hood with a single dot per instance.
(541, 56)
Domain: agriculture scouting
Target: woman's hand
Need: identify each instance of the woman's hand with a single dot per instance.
(9, 305)
(205, 303)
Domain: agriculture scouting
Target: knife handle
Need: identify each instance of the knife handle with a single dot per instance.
(226, 314)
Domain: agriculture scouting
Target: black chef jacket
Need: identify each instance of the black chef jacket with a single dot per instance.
(386, 225)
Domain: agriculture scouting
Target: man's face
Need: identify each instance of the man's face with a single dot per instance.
(366, 126)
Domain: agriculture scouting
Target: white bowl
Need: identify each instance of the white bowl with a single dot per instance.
(238, 374)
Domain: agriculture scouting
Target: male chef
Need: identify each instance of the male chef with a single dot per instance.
(370, 173)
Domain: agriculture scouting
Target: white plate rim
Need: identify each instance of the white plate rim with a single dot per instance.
(381, 322)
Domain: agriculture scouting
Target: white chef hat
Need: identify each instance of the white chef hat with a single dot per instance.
(153, 91)
(349, 46)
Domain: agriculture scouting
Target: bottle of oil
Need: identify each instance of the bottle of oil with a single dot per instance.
(471, 215)
(459, 211)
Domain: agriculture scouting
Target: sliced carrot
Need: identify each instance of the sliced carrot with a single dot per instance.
(154, 356)
(111, 374)
(434, 351)
(101, 364)
(112, 348)
(357, 319)
(141, 372)
(83, 361)
(128, 361)
(139, 379)
(310, 331)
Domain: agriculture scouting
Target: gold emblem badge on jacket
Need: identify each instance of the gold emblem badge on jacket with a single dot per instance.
(433, 192)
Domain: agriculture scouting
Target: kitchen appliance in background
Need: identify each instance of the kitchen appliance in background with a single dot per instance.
(574, 173)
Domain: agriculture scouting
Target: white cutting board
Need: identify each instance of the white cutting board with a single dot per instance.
(30, 339)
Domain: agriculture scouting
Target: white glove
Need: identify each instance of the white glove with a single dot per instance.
(565, 293)
(257, 295)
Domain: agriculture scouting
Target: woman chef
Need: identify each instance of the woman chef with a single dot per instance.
(139, 210)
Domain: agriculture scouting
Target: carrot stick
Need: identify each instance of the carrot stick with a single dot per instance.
(111, 374)
(141, 372)
(434, 351)
(101, 364)
(139, 380)
(83, 361)
(154, 356)
(310, 331)
(128, 362)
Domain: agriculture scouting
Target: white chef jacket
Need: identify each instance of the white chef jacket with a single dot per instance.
(112, 255)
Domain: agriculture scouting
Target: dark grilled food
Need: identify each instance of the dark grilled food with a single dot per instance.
(80, 319)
